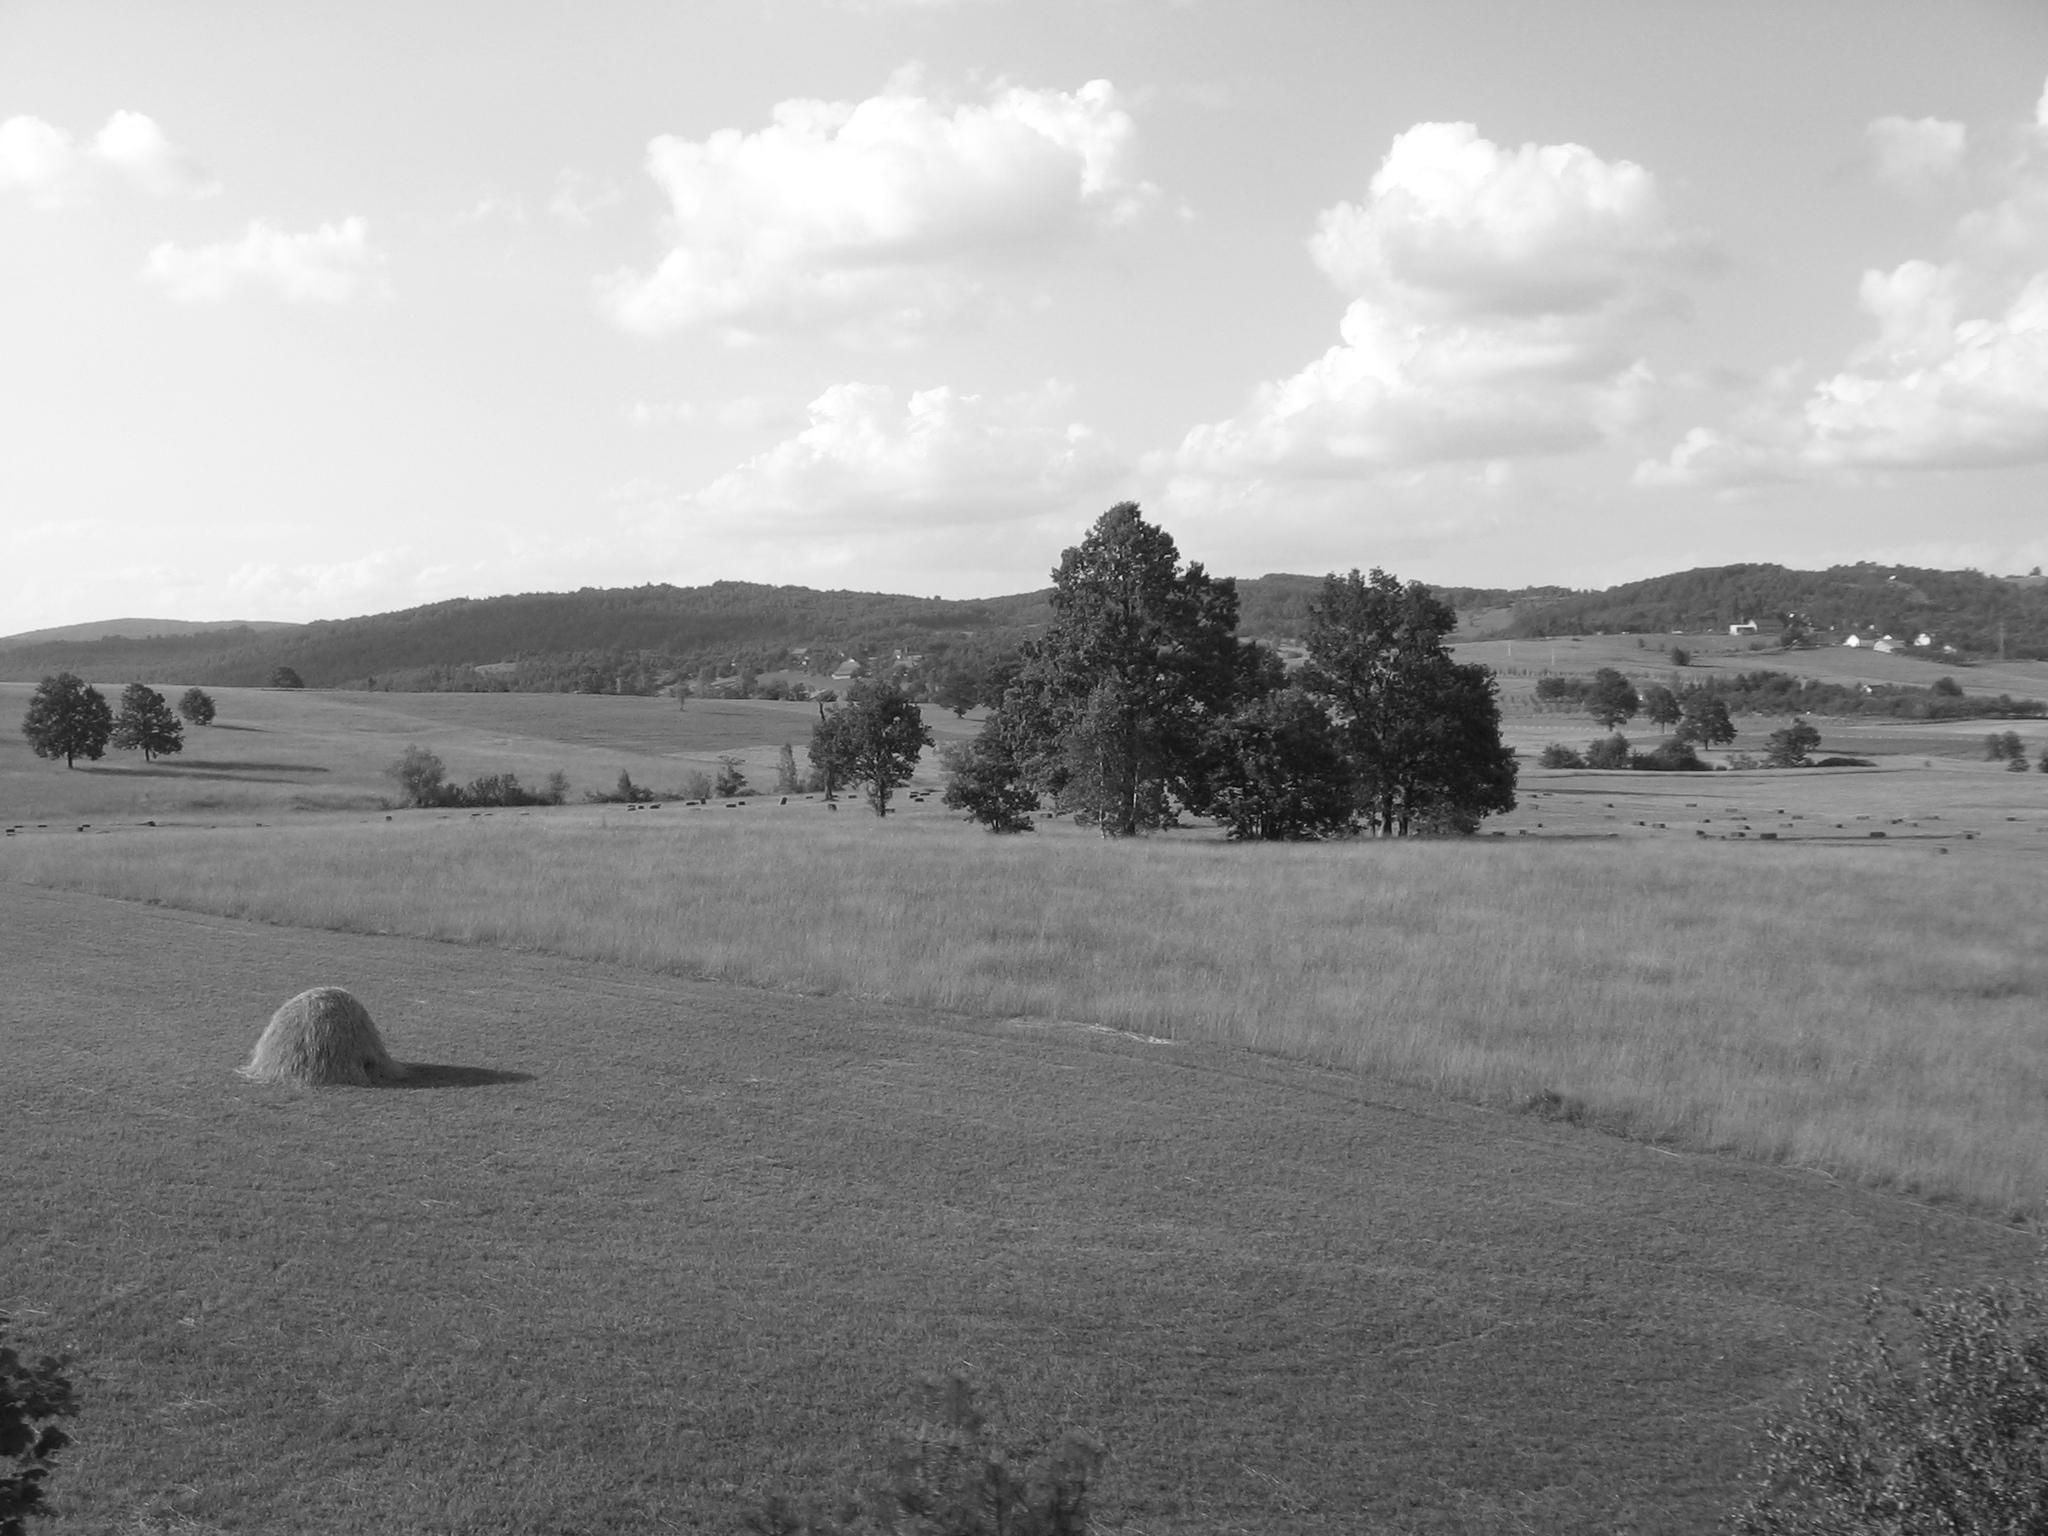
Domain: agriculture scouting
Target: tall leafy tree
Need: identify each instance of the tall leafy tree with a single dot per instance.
(1116, 705)
(1421, 730)
(1661, 705)
(147, 724)
(68, 718)
(1705, 718)
(1612, 699)
(876, 738)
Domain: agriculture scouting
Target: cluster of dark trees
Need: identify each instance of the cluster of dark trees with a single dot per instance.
(2007, 747)
(1140, 702)
(69, 718)
(422, 780)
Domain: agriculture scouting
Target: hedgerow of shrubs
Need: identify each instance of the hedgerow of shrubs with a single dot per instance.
(953, 1475)
(422, 781)
(1945, 1430)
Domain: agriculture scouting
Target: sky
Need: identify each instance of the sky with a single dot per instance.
(312, 310)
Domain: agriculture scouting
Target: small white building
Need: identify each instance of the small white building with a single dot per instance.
(1746, 627)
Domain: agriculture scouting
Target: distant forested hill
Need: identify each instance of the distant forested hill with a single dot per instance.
(728, 623)
(1965, 609)
(629, 639)
(134, 629)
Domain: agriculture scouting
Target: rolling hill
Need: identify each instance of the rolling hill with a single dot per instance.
(630, 639)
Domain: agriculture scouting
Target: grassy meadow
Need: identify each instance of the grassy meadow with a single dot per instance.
(636, 1251)
(1488, 1185)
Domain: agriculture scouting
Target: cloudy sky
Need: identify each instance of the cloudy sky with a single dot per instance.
(310, 310)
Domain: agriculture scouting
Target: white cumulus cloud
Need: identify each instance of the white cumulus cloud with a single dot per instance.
(329, 265)
(874, 457)
(1938, 389)
(1955, 375)
(874, 218)
(54, 169)
(1498, 301)
(1456, 226)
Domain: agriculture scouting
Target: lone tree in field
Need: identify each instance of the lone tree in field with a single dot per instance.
(1421, 731)
(875, 738)
(1612, 699)
(1792, 747)
(196, 705)
(1705, 718)
(1660, 704)
(68, 718)
(420, 774)
(286, 677)
(147, 724)
(1115, 705)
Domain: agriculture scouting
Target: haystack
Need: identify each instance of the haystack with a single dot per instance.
(319, 1039)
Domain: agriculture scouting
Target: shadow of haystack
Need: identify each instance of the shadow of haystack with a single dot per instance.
(423, 1074)
(323, 1038)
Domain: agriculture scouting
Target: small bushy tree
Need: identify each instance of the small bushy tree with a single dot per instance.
(786, 780)
(196, 705)
(985, 779)
(2004, 746)
(1680, 656)
(286, 677)
(1608, 752)
(420, 774)
(954, 1476)
(32, 1398)
(146, 724)
(1558, 755)
(1945, 1431)
(732, 777)
(68, 718)
(1793, 746)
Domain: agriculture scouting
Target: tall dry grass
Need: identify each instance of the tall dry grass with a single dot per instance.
(1874, 1017)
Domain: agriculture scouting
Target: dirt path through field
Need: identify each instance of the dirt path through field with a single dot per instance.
(660, 1245)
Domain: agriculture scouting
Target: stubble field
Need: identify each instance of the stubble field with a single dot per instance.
(1482, 1187)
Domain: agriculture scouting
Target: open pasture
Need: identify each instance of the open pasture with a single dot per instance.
(645, 1248)
(1649, 657)
(1727, 961)
(275, 752)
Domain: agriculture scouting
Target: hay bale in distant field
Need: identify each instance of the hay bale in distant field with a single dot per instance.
(322, 1038)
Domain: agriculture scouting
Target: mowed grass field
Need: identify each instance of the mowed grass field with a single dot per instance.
(1499, 1185)
(652, 1248)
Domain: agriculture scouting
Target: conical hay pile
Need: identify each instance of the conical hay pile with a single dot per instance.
(320, 1039)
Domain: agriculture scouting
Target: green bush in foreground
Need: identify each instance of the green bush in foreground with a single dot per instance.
(954, 1477)
(32, 1398)
(1947, 1434)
